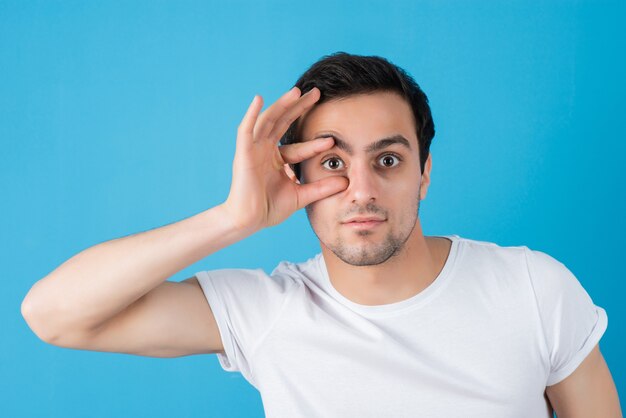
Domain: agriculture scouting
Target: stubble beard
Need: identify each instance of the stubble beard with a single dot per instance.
(370, 254)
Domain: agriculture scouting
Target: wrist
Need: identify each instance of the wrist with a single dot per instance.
(236, 221)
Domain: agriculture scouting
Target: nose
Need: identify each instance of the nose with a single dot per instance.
(363, 187)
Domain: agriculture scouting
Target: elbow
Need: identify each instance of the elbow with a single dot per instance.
(38, 321)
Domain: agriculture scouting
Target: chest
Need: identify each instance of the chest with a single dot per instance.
(486, 359)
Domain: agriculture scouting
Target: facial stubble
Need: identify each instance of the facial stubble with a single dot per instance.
(370, 254)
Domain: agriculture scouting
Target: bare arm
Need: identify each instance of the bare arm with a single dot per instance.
(103, 280)
(588, 392)
(114, 296)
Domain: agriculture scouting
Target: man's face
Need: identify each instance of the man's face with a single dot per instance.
(376, 150)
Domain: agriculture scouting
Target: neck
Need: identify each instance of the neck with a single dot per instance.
(402, 276)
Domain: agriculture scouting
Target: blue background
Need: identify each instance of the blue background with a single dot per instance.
(118, 117)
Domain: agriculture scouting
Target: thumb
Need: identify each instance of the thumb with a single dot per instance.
(311, 192)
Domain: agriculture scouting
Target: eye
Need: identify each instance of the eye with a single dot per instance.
(333, 163)
(389, 160)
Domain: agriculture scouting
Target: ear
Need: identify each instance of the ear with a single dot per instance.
(426, 176)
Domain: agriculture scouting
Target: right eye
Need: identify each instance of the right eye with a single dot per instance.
(333, 163)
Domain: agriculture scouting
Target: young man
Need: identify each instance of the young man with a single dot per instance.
(384, 321)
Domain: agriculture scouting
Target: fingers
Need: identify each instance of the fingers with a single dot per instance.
(298, 152)
(275, 120)
(269, 117)
(283, 122)
(291, 174)
(249, 119)
(311, 192)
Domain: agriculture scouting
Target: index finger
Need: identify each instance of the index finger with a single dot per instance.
(300, 151)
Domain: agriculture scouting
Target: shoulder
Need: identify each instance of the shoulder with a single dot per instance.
(488, 246)
(546, 272)
(297, 271)
(285, 276)
(490, 255)
(541, 268)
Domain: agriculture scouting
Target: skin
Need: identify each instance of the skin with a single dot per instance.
(393, 260)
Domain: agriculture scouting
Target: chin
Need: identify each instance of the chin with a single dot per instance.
(364, 257)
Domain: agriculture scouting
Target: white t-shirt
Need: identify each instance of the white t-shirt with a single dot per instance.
(496, 327)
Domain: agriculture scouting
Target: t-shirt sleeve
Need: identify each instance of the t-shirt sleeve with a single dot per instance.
(572, 323)
(245, 304)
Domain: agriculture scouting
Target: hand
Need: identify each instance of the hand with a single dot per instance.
(264, 191)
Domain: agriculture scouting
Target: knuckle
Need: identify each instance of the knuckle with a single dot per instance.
(269, 119)
(283, 121)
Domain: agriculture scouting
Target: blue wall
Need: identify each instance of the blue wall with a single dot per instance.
(118, 117)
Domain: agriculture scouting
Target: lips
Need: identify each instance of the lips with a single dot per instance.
(363, 222)
(364, 219)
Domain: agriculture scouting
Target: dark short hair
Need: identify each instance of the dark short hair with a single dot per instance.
(341, 75)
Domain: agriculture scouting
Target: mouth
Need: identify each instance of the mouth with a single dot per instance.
(365, 224)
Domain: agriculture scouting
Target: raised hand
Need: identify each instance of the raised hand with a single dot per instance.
(264, 191)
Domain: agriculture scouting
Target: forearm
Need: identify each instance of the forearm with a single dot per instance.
(102, 280)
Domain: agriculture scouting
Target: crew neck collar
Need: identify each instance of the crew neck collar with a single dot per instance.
(397, 307)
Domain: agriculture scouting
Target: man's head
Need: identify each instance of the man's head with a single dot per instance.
(342, 75)
(378, 117)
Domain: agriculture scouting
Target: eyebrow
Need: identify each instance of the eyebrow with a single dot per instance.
(374, 146)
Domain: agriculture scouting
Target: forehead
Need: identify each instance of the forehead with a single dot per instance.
(361, 118)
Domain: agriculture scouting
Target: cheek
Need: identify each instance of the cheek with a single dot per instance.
(318, 209)
(322, 213)
(403, 197)
(401, 187)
